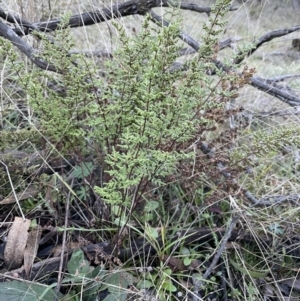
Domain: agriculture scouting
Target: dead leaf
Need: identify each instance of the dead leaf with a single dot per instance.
(31, 248)
(194, 264)
(29, 192)
(69, 246)
(175, 264)
(16, 243)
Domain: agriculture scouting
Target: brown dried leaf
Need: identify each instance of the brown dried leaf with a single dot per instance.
(175, 264)
(69, 246)
(31, 248)
(16, 243)
(194, 264)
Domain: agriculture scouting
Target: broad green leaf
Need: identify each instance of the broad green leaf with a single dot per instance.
(144, 283)
(151, 205)
(187, 261)
(152, 232)
(185, 251)
(78, 265)
(83, 170)
(288, 260)
(169, 286)
(71, 296)
(24, 291)
(82, 192)
(95, 286)
(98, 271)
(147, 217)
(92, 290)
(168, 272)
(117, 284)
(118, 280)
(121, 296)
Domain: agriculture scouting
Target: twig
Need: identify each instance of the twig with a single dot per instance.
(16, 20)
(63, 251)
(276, 199)
(281, 78)
(266, 38)
(226, 237)
(197, 8)
(256, 82)
(7, 33)
(124, 9)
(223, 280)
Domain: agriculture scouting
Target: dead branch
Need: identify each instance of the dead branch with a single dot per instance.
(286, 97)
(7, 33)
(222, 44)
(266, 38)
(128, 8)
(256, 82)
(282, 78)
(16, 20)
(198, 285)
(131, 7)
(198, 9)
(277, 199)
(21, 162)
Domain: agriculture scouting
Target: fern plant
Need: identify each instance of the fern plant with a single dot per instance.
(141, 123)
(138, 131)
(149, 116)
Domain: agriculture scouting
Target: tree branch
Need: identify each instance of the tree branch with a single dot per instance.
(256, 82)
(198, 285)
(16, 20)
(128, 8)
(7, 33)
(288, 98)
(266, 38)
(198, 9)
(124, 9)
